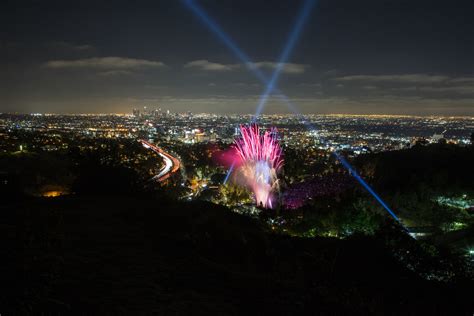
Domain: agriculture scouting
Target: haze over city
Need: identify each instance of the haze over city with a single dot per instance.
(364, 57)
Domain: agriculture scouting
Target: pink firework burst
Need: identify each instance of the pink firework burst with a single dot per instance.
(261, 160)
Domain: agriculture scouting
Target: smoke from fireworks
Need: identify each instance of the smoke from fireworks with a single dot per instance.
(260, 158)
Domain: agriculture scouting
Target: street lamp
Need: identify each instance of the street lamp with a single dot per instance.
(470, 253)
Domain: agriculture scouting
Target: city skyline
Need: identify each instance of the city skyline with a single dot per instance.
(349, 58)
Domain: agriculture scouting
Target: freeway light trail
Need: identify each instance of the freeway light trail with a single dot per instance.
(172, 164)
(166, 168)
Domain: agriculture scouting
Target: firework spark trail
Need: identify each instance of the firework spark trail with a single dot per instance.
(261, 160)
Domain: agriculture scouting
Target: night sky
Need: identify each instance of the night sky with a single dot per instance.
(368, 56)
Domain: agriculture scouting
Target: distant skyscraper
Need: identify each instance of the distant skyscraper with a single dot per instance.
(157, 113)
(136, 112)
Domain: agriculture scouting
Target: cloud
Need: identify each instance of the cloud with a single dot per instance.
(407, 78)
(70, 46)
(104, 63)
(419, 83)
(468, 80)
(114, 73)
(246, 85)
(289, 68)
(206, 65)
(444, 89)
(369, 87)
(310, 84)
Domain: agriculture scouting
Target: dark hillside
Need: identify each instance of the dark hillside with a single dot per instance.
(127, 255)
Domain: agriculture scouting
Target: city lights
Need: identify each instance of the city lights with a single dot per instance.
(270, 85)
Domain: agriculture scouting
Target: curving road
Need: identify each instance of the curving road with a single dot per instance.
(172, 164)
